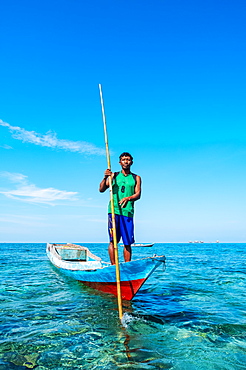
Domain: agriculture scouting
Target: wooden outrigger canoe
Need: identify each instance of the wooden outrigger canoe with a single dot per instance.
(79, 263)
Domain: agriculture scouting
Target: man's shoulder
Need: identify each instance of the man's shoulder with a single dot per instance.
(136, 177)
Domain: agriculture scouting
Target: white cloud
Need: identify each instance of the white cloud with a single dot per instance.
(14, 177)
(30, 193)
(50, 140)
(5, 146)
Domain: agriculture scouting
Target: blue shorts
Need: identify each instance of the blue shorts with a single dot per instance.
(124, 229)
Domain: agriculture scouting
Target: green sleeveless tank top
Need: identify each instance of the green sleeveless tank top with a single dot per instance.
(123, 186)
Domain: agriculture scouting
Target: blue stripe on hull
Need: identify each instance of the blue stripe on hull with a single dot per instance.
(134, 270)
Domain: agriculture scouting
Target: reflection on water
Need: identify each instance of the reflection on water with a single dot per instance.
(192, 316)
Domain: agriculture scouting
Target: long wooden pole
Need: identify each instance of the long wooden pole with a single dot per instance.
(112, 211)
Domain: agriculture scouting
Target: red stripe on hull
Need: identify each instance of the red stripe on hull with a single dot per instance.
(128, 288)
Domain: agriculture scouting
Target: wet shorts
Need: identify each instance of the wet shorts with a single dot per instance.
(124, 229)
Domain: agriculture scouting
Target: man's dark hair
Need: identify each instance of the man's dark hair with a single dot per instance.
(126, 154)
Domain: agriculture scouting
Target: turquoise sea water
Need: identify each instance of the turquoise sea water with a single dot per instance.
(190, 316)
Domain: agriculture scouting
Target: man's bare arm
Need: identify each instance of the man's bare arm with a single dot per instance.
(104, 184)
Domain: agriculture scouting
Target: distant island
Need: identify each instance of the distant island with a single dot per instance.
(200, 241)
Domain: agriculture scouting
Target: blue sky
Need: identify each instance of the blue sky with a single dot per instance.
(173, 75)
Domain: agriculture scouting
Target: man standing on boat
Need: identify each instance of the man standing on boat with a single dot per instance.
(126, 190)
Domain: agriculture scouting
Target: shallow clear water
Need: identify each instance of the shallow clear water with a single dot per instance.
(190, 316)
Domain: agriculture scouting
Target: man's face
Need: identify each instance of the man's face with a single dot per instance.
(125, 162)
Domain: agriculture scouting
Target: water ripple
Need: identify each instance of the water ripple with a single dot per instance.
(191, 316)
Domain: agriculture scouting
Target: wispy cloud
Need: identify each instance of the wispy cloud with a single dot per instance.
(14, 177)
(23, 220)
(50, 140)
(5, 146)
(26, 192)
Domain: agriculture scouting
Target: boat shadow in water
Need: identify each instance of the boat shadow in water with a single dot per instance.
(83, 291)
(162, 305)
(152, 304)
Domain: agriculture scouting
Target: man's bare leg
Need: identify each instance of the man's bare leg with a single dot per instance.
(127, 253)
(111, 253)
